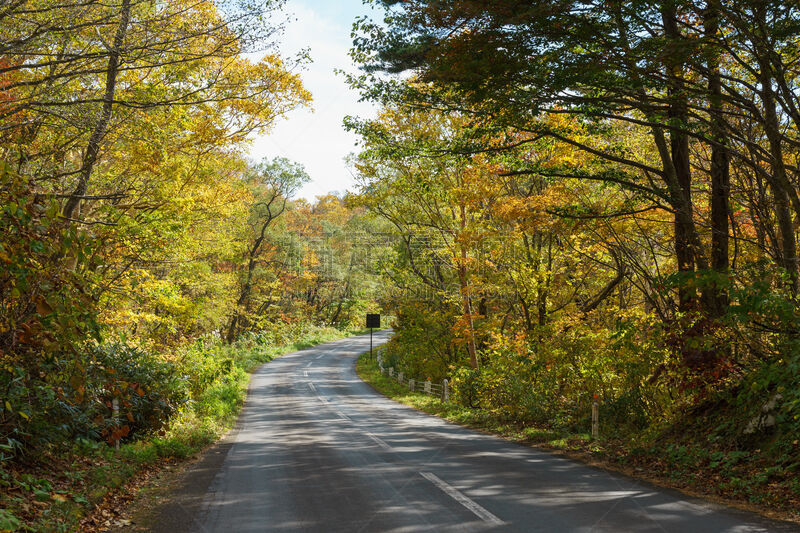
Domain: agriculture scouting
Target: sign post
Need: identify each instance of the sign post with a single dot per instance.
(373, 321)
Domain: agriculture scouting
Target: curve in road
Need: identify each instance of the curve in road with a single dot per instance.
(318, 450)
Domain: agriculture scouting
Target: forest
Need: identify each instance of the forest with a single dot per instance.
(146, 263)
(558, 204)
(597, 202)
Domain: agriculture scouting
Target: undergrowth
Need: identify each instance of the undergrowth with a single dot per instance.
(57, 489)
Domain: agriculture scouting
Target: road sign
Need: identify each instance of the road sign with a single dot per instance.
(373, 320)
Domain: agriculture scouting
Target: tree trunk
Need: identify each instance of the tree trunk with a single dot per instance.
(248, 284)
(720, 166)
(101, 126)
(466, 308)
(677, 115)
(243, 296)
(781, 187)
(466, 301)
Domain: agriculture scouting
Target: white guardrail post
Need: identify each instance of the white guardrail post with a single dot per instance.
(115, 416)
(443, 390)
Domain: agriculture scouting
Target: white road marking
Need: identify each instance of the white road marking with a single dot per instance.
(454, 493)
(379, 442)
(319, 396)
(309, 364)
(342, 415)
(320, 356)
(305, 373)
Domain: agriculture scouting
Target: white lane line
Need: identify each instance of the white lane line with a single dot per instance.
(454, 493)
(316, 392)
(309, 364)
(320, 356)
(342, 415)
(380, 442)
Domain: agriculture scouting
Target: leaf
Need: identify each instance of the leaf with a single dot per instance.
(76, 382)
(42, 307)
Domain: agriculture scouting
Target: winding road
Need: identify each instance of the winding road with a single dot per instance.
(318, 450)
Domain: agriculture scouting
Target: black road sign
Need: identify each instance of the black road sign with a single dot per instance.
(373, 320)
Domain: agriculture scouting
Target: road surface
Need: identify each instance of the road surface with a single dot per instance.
(317, 450)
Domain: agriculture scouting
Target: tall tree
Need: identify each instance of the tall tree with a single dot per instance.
(272, 184)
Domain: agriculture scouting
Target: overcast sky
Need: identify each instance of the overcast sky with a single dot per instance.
(316, 138)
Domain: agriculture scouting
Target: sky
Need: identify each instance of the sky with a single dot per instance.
(317, 138)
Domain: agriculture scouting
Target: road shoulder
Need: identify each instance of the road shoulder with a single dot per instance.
(581, 454)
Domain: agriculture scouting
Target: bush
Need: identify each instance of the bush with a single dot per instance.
(47, 311)
(464, 388)
(74, 399)
(148, 391)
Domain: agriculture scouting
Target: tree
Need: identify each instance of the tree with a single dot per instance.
(683, 72)
(272, 184)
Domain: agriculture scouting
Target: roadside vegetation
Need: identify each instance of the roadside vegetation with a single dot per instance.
(597, 202)
(147, 265)
(699, 464)
(60, 489)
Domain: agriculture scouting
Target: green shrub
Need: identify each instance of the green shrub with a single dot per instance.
(148, 391)
(464, 388)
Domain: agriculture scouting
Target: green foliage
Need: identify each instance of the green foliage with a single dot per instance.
(9, 522)
(46, 312)
(147, 389)
(423, 344)
(465, 387)
(78, 404)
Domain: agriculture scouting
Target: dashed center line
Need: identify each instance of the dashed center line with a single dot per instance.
(380, 442)
(454, 493)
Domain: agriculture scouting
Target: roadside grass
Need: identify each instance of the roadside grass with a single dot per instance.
(744, 479)
(81, 489)
(478, 419)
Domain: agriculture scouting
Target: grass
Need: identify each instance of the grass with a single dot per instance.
(79, 489)
(744, 479)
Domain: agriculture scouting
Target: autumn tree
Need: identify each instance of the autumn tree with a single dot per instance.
(121, 131)
(683, 72)
(272, 184)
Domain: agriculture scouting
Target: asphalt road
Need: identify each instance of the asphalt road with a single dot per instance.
(317, 450)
